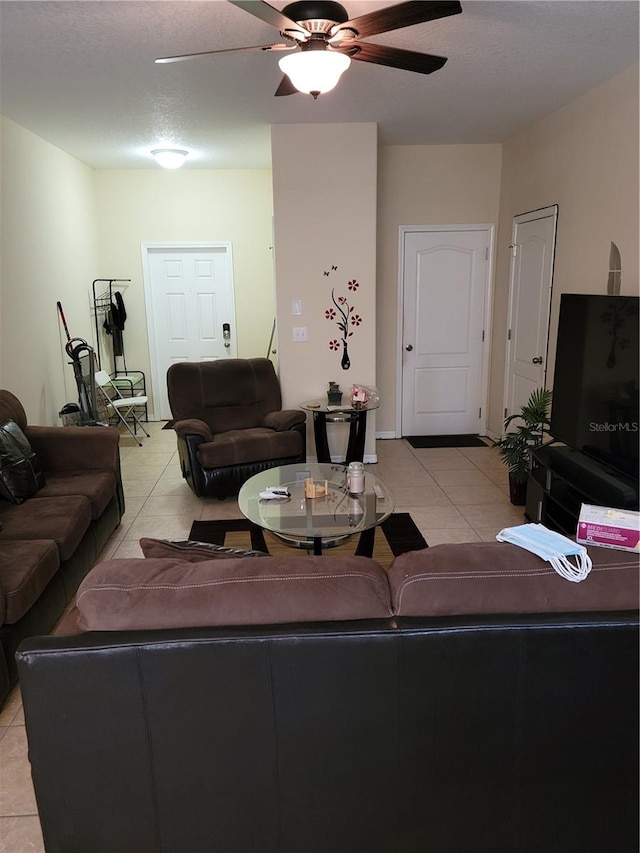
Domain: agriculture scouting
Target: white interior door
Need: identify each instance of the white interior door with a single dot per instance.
(445, 299)
(190, 309)
(531, 280)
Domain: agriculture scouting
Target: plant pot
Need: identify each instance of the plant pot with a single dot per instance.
(517, 492)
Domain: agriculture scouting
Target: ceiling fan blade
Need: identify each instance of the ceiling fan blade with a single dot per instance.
(401, 15)
(271, 16)
(408, 60)
(276, 47)
(286, 87)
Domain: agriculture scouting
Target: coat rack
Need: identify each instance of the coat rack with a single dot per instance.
(133, 383)
(101, 306)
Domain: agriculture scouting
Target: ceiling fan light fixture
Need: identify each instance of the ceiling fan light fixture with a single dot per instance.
(314, 72)
(170, 158)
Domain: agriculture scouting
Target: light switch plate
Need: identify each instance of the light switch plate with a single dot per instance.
(300, 333)
(296, 306)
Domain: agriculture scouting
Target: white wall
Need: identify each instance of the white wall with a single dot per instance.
(144, 206)
(324, 179)
(424, 185)
(48, 254)
(584, 158)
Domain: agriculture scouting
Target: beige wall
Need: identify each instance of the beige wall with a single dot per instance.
(583, 158)
(49, 254)
(423, 185)
(144, 206)
(324, 180)
(64, 225)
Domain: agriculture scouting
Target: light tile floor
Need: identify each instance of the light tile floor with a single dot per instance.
(453, 495)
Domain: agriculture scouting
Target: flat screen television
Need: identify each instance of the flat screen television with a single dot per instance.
(595, 386)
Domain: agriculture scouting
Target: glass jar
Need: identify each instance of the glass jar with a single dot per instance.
(355, 478)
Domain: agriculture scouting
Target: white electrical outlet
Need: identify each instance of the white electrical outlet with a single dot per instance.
(300, 333)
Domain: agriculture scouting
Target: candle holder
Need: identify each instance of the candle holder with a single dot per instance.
(334, 394)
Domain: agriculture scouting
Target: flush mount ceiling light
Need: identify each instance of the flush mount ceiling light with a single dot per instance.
(170, 158)
(314, 72)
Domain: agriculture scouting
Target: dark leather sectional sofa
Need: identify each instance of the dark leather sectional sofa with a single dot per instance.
(470, 700)
(49, 542)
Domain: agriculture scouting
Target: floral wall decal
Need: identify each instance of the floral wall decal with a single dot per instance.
(346, 318)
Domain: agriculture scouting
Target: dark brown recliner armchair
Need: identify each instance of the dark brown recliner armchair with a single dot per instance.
(230, 424)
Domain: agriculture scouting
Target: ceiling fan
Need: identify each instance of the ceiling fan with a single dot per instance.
(328, 40)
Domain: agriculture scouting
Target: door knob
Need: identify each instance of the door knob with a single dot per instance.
(409, 347)
(537, 360)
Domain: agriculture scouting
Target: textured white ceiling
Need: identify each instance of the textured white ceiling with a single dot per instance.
(81, 75)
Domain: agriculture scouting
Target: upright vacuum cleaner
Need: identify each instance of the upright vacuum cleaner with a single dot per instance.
(84, 366)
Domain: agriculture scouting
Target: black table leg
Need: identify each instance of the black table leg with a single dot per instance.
(357, 433)
(365, 543)
(320, 435)
(317, 547)
(257, 538)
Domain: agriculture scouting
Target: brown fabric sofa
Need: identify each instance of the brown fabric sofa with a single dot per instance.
(188, 585)
(320, 704)
(230, 424)
(51, 540)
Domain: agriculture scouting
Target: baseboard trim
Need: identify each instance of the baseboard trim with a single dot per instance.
(386, 434)
(371, 458)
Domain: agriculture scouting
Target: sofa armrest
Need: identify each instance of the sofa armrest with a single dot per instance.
(76, 448)
(193, 426)
(283, 420)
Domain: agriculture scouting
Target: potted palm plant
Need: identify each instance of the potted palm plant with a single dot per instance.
(518, 439)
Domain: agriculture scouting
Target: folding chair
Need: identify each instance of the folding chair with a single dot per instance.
(123, 406)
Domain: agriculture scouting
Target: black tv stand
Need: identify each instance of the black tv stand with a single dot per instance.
(613, 464)
(562, 479)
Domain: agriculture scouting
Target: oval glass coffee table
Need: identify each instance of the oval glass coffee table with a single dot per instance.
(317, 523)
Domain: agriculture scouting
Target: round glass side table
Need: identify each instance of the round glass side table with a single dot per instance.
(355, 417)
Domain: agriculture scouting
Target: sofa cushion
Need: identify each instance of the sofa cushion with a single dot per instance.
(20, 471)
(98, 486)
(228, 394)
(164, 593)
(27, 567)
(191, 551)
(65, 520)
(238, 447)
(497, 577)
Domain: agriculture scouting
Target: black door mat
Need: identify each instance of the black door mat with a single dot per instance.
(168, 425)
(420, 441)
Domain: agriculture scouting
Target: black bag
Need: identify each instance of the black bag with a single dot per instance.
(20, 472)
